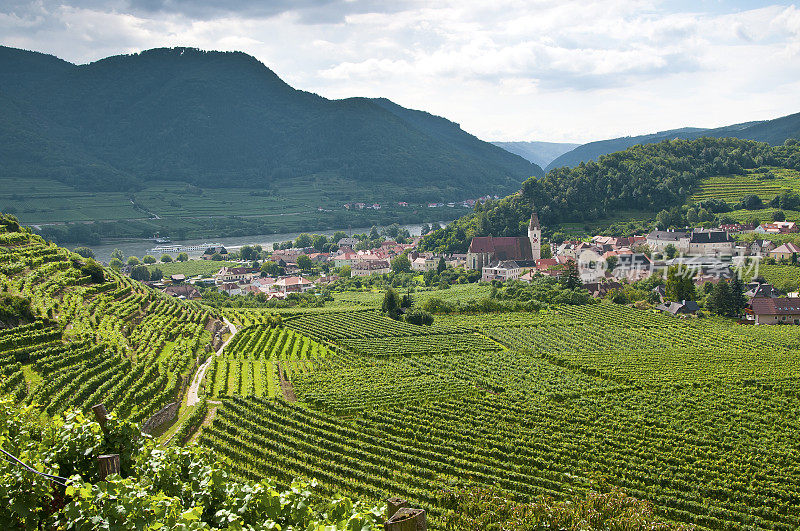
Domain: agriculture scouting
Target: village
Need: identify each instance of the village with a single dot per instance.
(604, 264)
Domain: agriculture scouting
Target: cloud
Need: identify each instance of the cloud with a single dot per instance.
(507, 69)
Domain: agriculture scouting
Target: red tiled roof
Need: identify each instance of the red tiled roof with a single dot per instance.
(771, 306)
(504, 248)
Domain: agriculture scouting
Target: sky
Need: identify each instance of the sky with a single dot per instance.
(505, 70)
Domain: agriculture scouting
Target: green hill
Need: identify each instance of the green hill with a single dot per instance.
(224, 120)
(643, 179)
(771, 131)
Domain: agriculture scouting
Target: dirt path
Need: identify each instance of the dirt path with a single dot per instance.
(192, 397)
(286, 386)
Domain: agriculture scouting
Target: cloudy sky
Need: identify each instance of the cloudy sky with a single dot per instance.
(557, 70)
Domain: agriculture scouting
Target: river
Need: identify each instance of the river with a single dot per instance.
(141, 247)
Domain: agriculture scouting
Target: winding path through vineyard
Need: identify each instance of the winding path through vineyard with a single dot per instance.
(192, 398)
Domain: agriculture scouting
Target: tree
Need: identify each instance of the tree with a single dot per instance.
(441, 266)
(183, 257)
(338, 235)
(303, 241)
(165, 258)
(401, 264)
(132, 261)
(118, 254)
(569, 278)
(670, 251)
(84, 252)
(140, 272)
(156, 274)
(149, 259)
(779, 215)
(738, 300)
(546, 251)
(751, 202)
(611, 263)
(425, 229)
(345, 271)
(217, 257)
(248, 253)
(95, 271)
(115, 263)
(680, 284)
(391, 303)
(373, 233)
(419, 318)
(270, 268)
(663, 220)
(719, 299)
(304, 262)
(318, 242)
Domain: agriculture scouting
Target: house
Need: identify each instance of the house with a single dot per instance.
(599, 290)
(184, 291)
(735, 228)
(235, 274)
(777, 227)
(294, 285)
(348, 242)
(484, 250)
(760, 290)
(231, 289)
(419, 264)
(658, 240)
(370, 267)
(634, 267)
(785, 251)
(679, 308)
(506, 270)
(710, 243)
(760, 247)
(770, 310)
(177, 278)
(209, 253)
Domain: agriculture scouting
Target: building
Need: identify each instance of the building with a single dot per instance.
(658, 240)
(370, 267)
(484, 250)
(235, 274)
(710, 243)
(184, 291)
(293, 285)
(348, 242)
(679, 308)
(777, 227)
(506, 270)
(760, 247)
(785, 251)
(769, 310)
(761, 290)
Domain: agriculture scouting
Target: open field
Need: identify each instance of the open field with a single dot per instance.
(191, 268)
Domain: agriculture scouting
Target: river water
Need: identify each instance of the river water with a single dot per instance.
(142, 247)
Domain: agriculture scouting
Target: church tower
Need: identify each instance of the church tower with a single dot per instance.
(535, 236)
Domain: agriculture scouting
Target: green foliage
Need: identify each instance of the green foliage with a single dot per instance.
(304, 262)
(176, 488)
(84, 252)
(391, 303)
(183, 257)
(165, 258)
(132, 261)
(680, 284)
(492, 509)
(140, 272)
(147, 259)
(94, 270)
(401, 264)
(569, 278)
(419, 318)
(14, 310)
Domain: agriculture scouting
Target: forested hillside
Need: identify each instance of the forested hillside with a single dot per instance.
(647, 178)
(771, 131)
(223, 120)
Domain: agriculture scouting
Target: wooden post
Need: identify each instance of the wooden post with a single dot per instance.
(109, 464)
(101, 415)
(407, 519)
(393, 504)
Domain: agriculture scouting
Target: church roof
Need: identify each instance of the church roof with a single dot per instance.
(504, 248)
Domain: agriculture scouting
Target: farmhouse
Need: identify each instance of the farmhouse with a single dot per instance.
(676, 308)
(484, 250)
(506, 270)
(184, 291)
(235, 274)
(769, 310)
(294, 285)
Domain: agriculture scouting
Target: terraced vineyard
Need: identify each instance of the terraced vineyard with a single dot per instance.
(697, 416)
(765, 184)
(113, 341)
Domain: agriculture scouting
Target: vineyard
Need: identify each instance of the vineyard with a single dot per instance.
(766, 184)
(697, 416)
(113, 340)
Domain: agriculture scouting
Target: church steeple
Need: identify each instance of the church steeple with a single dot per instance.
(535, 236)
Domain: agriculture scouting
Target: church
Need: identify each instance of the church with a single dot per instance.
(484, 250)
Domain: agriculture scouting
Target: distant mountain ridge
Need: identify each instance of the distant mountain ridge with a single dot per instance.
(540, 153)
(771, 131)
(223, 119)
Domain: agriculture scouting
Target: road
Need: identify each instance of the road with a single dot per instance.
(192, 397)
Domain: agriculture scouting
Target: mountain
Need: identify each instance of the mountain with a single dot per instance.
(224, 120)
(772, 131)
(540, 153)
